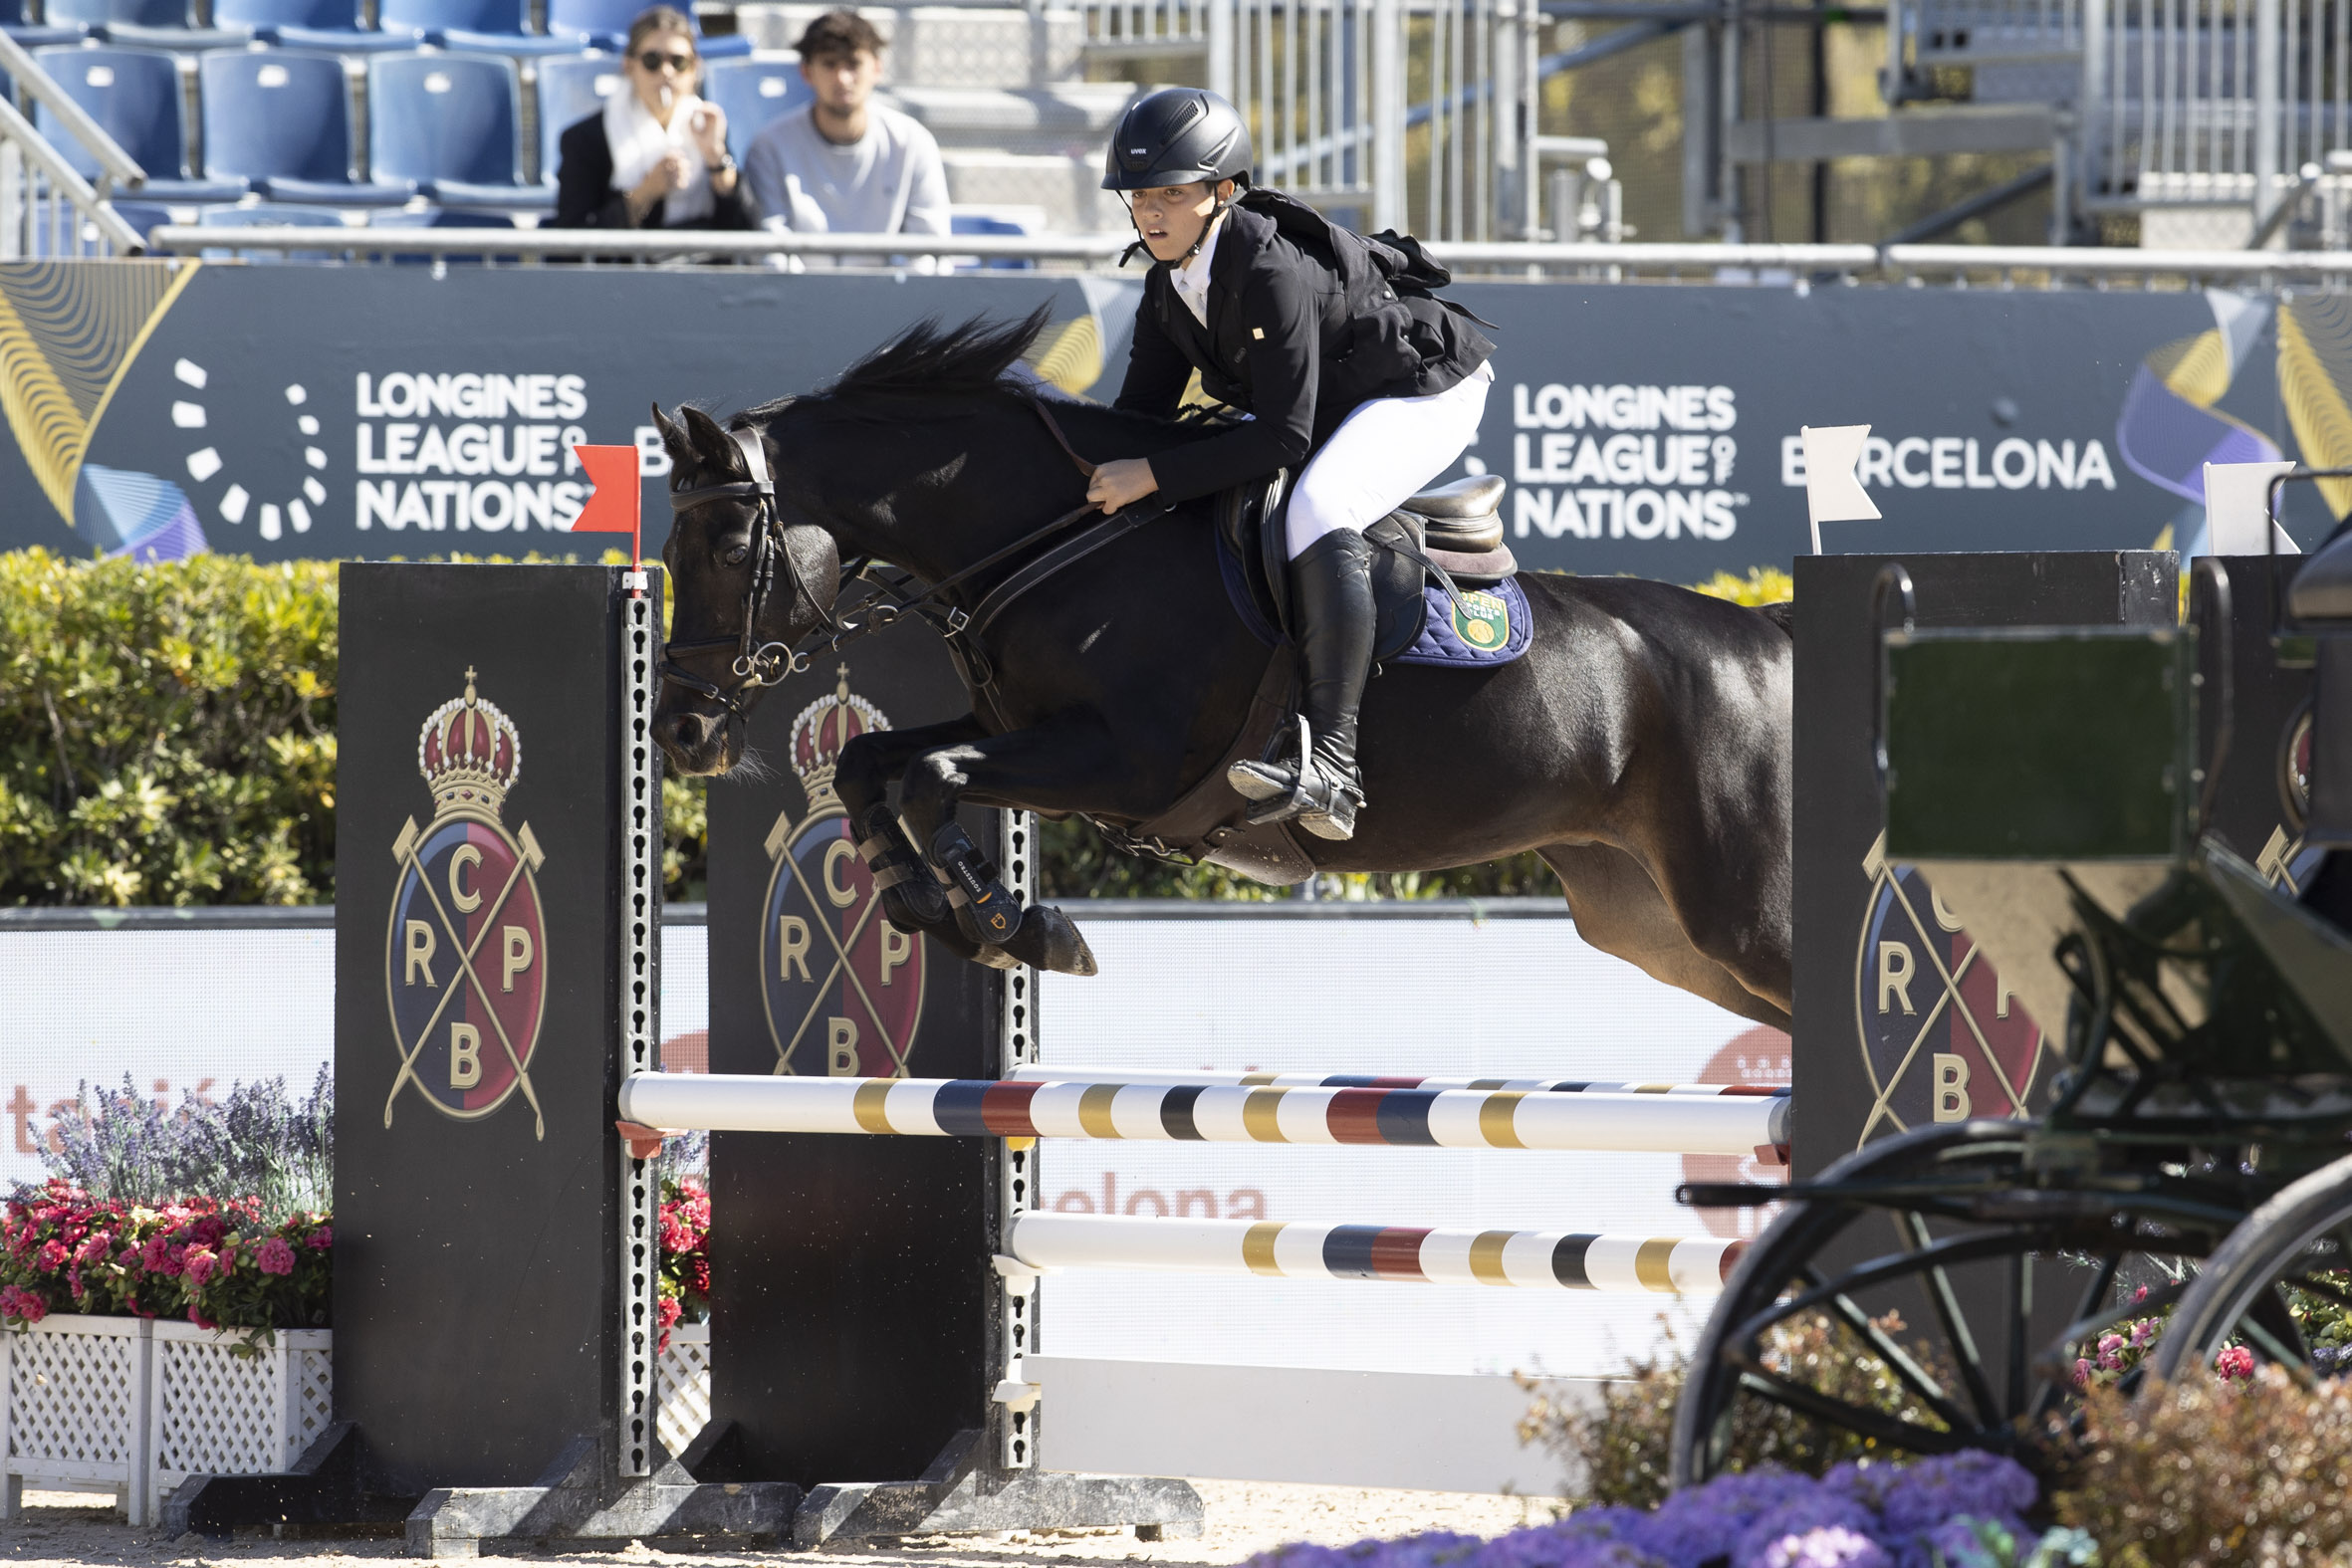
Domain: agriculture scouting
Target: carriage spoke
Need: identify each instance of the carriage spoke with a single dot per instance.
(1913, 1376)
(1892, 1430)
(1945, 1301)
(1879, 1271)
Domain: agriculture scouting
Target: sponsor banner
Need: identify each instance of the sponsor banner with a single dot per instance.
(323, 411)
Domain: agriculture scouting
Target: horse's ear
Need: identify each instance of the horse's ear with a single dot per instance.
(674, 438)
(713, 447)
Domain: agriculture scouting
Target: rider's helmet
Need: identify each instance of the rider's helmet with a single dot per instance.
(1175, 137)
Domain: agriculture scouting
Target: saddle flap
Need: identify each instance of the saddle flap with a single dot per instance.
(1246, 516)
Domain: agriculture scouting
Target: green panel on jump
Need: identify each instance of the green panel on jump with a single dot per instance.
(2051, 744)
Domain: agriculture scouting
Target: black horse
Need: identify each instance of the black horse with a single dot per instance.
(1641, 746)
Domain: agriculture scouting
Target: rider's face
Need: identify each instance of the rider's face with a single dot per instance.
(1170, 218)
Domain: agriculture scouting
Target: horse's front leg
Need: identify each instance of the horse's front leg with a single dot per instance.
(1065, 765)
(913, 898)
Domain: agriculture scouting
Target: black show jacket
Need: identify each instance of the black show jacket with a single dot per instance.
(1301, 331)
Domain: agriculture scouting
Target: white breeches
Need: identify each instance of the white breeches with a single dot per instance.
(1380, 457)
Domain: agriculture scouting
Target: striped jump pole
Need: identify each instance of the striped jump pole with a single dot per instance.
(1393, 1117)
(1379, 1080)
(1540, 1259)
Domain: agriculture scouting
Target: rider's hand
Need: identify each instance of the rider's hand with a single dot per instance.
(1122, 483)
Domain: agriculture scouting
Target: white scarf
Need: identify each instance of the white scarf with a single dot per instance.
(638, 141)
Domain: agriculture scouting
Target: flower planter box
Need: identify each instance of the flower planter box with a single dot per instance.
(684, 1387)
(135, 1406)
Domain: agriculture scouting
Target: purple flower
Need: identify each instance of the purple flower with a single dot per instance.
(1803, 1519)
(1830, 1546)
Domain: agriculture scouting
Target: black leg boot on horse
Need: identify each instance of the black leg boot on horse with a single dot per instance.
(1331, 585)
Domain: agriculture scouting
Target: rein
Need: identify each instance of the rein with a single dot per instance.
(768, 664)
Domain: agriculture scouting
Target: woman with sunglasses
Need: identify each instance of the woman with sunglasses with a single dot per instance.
(655, 156)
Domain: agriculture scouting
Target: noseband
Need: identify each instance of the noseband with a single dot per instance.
(756, 664)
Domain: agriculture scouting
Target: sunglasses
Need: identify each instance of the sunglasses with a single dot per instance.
(653, 60)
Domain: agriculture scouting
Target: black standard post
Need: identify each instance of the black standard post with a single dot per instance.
(863, 1343)
(498, 905)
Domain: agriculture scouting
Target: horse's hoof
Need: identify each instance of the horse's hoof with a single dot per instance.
(916, 906)
(1049, 940)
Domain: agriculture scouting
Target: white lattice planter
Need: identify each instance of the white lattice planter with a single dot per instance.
(136, 1407)
(685, 1386)
(215, 1413)
(73, 1409)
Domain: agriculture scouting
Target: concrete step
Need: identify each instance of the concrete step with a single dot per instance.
(1069, 118)
(943, 46)
(1063, 188)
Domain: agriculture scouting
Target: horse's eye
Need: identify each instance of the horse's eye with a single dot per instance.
(737, 555)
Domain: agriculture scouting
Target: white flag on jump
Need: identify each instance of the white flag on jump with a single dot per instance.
(1833, 493)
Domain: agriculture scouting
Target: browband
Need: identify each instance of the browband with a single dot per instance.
(754, 456)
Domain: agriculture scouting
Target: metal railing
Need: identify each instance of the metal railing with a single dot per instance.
(1763, 265)
(47, 207)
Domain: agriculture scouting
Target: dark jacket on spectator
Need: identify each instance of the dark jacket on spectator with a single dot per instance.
(585, 199)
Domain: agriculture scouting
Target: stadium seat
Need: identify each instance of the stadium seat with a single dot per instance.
(286, 215)
(605, 24)
(150, 23)
(31, 35)
(500, 27)
(281, 119)
(449, 126)
(570, 89)
(134, 96)
(754, 94)
(971, 222)
(304, 24)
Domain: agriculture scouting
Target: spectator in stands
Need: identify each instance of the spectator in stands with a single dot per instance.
(655, 156)
(845, 164)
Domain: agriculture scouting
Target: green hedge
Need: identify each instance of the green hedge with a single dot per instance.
(169, 736)
(169, 732)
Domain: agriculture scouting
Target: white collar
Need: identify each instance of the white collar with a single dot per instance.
(1195, 273)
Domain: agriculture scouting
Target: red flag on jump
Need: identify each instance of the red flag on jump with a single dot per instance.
(613, 506)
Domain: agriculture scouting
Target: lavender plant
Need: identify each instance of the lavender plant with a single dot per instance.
(256, 1143)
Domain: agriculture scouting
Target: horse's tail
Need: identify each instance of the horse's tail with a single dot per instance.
(1780, 614)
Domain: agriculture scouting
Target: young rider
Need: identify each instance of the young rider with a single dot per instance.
(1342, 366)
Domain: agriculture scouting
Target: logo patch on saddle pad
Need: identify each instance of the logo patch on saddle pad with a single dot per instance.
(1490, 626)
(1482, 619)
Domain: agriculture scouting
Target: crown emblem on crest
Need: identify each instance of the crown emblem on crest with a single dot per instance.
(470, 753)
(823, 729)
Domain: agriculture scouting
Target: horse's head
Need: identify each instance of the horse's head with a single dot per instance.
(754, 574)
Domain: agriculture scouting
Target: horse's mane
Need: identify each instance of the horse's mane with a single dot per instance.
(932, 361)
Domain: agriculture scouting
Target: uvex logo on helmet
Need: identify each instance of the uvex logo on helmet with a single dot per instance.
(465, 952)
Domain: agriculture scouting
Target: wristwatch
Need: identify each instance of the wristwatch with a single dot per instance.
(725, 166)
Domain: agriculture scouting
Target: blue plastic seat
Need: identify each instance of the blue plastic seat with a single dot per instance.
(150, 23)
(30, 34)
(281, 119)
(991, 223)
(284, 215)
(134, 96)
(500, 27)
(570, 88)
(605, 24)
(754, 94)
(304, 24)
(450, 126)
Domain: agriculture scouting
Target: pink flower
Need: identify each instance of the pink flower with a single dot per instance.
(197, 1317)
(2235, 1362)
(19, 1303)
(2082, 1373)
(273, 1256)
(669, 1313)
(320, 1238)
(53, 1257)
(200, 1264)
(2111, 1348)
(2142, 1331)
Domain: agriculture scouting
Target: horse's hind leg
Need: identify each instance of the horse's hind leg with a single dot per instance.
(1620, 911)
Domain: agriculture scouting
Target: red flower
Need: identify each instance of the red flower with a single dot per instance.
(53, 1257)
(2235, 1362)
(273, 1256)
(320, 1238)
(200, 1266)
(197, 1317)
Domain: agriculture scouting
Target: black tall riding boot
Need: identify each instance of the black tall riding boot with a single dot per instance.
(1331, 586)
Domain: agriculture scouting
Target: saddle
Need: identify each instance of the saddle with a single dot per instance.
(1452, 535)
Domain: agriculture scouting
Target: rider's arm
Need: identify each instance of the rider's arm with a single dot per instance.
(1280, 327)
(1156, 368)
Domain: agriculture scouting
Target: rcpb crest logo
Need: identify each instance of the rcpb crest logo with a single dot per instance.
(843, 987)
(1482, 619)
(1942, 1040)
(465, 954)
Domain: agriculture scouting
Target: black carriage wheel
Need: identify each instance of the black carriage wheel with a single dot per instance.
(2298, 1242)
(1939, 1274)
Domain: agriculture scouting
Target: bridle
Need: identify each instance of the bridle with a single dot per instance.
(758, 665)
